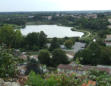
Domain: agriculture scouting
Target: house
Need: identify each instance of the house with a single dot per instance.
(108, 40)
(109, 20)
(30, 16)
(104, 68)
(57, 15)
(81, 69)
(65, 68)
(49, 17)
(71, 69)
(91, 16)
(61, 46)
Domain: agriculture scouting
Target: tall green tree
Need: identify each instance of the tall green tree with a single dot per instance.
(54, 44)
(8, 63)
(44, 57)
(7, 35)
(35, 80)
(59, 57)
(35, 41)
(32, 39)
(10, 36)
(69, 43)
(42, 39)
(95, 54)
(18, 39)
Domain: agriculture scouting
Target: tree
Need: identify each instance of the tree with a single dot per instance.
(59, 57)
(18, 39)
(11, 37)
(44, 57)
(35, 80)
(95, 54)
(91, 23)
(42, 39)
(7, 63)
(69, 43)
(32, 39)
(35, 41)
(7, 35)
(105, 55)
(54, 44)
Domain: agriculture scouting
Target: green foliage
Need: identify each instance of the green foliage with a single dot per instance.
(63, 79)
(11, 37)
(42, 39)
(18, 39)
(54, 44)
(32, 40)
(44, 57)
(35, 80)
(7, 63)
(59, 57)
(35, 41)
(95, 54)
(95, 24)
(7, 34)
(51, 81)
(102, 78)
(69, 44)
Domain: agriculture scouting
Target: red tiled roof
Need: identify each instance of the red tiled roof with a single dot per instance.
(83, 68)
(62, 66)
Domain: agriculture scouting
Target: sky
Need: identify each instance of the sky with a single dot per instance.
(53, 5)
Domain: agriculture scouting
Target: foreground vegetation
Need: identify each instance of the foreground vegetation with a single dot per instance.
(98, 79)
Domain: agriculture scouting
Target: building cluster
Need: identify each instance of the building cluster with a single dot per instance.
(108, 40)
(50, 17)
(81, 69)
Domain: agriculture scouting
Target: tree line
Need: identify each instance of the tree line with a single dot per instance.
(95, 54)
(13, 38)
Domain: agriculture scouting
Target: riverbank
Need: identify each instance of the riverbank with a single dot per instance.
(86, 33)
(89, 35)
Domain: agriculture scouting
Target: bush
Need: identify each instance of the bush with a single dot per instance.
(69, 44)
(35, 80)
(63, 79)
(44, 57)
(59, 57)
(8, 63)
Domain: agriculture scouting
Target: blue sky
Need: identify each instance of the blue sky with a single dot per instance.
(53, 5)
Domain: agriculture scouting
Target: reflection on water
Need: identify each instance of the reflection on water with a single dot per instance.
(52, 31)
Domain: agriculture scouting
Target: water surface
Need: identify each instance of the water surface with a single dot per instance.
(52, 31)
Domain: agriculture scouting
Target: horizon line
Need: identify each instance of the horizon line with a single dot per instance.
(58, 11)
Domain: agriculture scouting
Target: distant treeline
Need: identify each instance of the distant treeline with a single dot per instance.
(66, 19)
